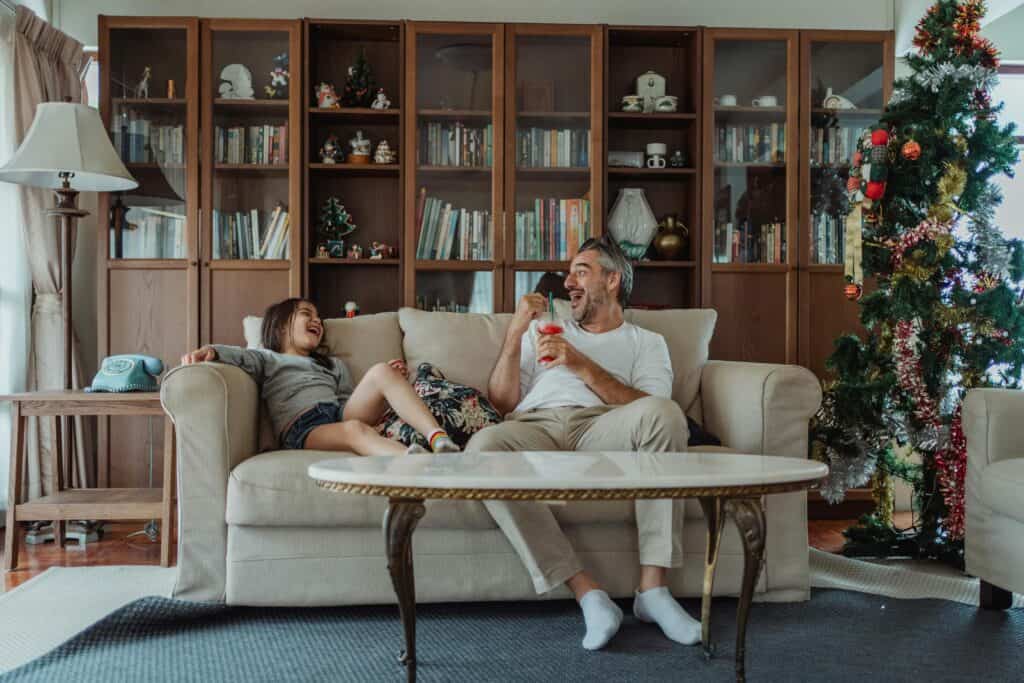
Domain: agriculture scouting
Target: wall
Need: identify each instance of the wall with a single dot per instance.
(78, 17)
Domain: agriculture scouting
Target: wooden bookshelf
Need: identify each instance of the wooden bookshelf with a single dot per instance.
(675, 53)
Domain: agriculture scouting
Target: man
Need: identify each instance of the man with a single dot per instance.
(603, 384)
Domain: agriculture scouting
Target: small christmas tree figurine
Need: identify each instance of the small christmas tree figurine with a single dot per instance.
(335, 220)
(359, 85)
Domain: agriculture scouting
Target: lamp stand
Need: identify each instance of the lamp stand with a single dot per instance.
(67, 212)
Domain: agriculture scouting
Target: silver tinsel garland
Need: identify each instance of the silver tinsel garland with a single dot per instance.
(987, 237)
(980, 77)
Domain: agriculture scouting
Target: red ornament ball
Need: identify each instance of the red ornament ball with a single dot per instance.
(879, 137)
(875, 190)
(911, 150)
(853, 291)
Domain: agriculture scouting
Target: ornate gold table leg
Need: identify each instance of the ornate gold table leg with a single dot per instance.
(714, 517)
(399, 522)
(749, 516)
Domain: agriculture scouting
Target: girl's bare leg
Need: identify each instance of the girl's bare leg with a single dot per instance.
(382, 386)
(353, 436)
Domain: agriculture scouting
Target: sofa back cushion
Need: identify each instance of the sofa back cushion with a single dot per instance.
(465, 346)
(361, 342)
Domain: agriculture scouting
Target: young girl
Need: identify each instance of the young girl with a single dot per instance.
(310, 396)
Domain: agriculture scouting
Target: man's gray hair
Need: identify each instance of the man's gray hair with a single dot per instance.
(612, 258)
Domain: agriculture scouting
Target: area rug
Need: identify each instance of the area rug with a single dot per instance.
(43, 612)
(837, 636)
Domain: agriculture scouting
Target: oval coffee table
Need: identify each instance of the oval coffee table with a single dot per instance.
(725, 484)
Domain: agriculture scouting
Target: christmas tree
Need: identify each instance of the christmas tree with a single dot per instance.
(944, 312)
(335, 220)
(359, 86)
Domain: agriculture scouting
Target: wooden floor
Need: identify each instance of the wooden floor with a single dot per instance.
(117, 547)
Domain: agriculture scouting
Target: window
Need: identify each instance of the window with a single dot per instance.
(1010, 90)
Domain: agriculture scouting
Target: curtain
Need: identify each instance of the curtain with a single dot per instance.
(15, 281)
(47, 68)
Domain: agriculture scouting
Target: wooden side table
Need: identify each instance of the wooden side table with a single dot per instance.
(66, 503)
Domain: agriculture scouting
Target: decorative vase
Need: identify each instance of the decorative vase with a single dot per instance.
(670, 241)
(631, 222)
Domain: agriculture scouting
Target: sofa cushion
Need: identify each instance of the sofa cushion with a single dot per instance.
(361, 342)
(687, 333)
(274, 489)
(464, 346)
(1001, 485)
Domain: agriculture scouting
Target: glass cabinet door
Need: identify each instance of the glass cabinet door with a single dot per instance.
(456, 187)
(554, 180)
(846, 98)
(148, 122)
(749, 146)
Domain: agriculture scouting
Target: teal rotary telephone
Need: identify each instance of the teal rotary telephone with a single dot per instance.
(128, 372)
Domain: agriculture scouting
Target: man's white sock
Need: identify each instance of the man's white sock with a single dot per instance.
(602, 617)
(658, 605)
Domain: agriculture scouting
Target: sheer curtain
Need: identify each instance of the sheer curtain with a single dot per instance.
(15, 280)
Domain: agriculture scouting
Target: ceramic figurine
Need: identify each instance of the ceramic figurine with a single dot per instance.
(336, 248)
(321, 251)
(351, 309)
(326, 98)
(236, 82)
(378, 250)
(330, 152)
(355, 252)
(381, 101)
(142, 89)
(677, 160)
(360, 153)
(384, 154)
(278, 88)
(836, 101)
(650, 86)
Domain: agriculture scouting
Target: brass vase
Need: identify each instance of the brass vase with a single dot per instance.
(670, 242)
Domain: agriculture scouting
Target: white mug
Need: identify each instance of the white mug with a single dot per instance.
(726, 101)
(765, 101)
(656, 161)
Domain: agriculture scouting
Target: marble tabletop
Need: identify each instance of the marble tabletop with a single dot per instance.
(548, 470)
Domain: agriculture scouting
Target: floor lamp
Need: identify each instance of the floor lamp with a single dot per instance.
(67, 149)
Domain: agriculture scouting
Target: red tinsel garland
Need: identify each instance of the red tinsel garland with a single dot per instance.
(908, 373)
(950, 470)
(925, 230)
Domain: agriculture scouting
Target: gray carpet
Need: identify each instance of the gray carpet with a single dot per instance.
(837, 636)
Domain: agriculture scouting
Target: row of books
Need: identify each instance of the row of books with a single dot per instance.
(248, 235)
(745, 242)
(264, 144)
(451, 232)
(834, 145)
(455, 144)
(441, 307)
(553, 230)
(152, 234)
(829, 237)
(559, 148)
(751, 144)
(140, 141)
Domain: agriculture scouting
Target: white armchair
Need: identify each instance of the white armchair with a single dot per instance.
(993, 422)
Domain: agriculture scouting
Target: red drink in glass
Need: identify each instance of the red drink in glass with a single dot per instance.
(550, 327)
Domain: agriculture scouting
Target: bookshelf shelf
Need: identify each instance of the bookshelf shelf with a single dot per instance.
(750, 164)
(554, 171)
(354, 263)
(251, 104)
(486, 170)
(454, 113)
(252, 168)
(846, 112)
(749, 110)
(357, 113)
(630, 117)
(455, 265)
(664, 264)
(357, 169)
(569, 115)
(650, 172)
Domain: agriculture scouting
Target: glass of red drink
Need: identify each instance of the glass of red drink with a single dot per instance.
(549, 327)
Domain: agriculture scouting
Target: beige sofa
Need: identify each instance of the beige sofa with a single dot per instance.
(254, 530)
(993, 421)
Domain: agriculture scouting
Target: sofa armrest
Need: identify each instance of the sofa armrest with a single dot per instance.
(993, 422)
(759, 407)
(215, 409)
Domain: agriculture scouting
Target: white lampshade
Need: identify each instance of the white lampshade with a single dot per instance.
(67, 137)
